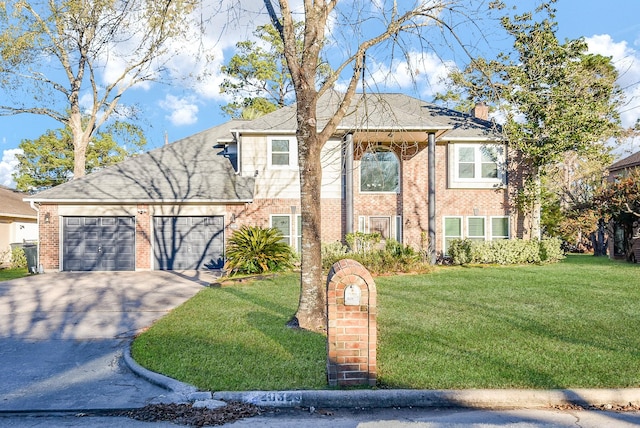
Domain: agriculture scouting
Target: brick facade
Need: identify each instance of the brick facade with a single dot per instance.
(352, 325)
(49, 237)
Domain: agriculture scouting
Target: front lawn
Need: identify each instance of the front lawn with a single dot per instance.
(567, 325)
(7, 274)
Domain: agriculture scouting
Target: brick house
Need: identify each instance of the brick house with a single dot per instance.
(174, 207)
(625, 243)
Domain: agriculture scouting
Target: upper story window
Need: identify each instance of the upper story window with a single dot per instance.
(282, 152)
(476, 165)
(379, 172)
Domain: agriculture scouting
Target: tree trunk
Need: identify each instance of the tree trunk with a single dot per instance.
(312, 305)
(80, 143)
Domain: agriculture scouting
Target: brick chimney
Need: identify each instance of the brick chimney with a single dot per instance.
(480, 111)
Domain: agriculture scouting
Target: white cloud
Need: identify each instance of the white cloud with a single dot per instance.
(422, 72)
(8, 166)
(627, 62)
(183, 111)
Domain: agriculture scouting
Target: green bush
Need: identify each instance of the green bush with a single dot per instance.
(253, 249)
(393, 257)
(505, 251)
(360, 242)
(18, 258)
(332, 252)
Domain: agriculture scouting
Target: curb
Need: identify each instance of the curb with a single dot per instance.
(386, 398)
(183, 391)
(471, 398)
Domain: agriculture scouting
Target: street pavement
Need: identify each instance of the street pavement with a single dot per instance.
(62, 337)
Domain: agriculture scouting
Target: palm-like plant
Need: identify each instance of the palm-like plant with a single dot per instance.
(253, 249)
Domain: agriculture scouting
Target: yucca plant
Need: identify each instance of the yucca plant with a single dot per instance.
(253, 249)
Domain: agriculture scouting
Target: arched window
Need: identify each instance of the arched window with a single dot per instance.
(379, 172)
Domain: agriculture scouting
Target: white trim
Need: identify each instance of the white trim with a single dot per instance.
(386, 192)
(289, 216)
(363, 224)
(491, 237)
(444, 230)
(484, 221)
(475, 182)
(292, 153)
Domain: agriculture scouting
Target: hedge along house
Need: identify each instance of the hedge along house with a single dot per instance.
(174, 207)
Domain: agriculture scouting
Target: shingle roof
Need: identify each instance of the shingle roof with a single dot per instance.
(628, 162)
(190, 169)
(12, 204)
(381, 112)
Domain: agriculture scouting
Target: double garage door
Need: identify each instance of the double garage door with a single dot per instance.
(108, 243)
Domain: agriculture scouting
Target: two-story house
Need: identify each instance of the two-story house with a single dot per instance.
(175, 206)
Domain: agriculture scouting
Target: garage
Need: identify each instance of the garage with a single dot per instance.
(188, 243)
(98, 243)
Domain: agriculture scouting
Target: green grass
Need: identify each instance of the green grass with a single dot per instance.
(567, 325)
(7, 274)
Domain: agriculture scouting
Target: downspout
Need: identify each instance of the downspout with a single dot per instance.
(32, 204)
(348, 185)
(236, 135)
(431, 185)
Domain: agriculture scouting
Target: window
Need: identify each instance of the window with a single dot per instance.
(283, 223)
(381, 225)
(476, 229)
(476, 165)
(384, 225)
(379, 172)
(499, 228)
(282, 152)
(452, 230)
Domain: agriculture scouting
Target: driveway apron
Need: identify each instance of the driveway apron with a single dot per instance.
(62, 337)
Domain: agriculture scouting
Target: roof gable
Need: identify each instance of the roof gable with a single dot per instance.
(13, 204)
(190, 169)
(628, 162)
(375, 112)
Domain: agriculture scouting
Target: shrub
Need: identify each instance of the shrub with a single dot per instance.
(332, 252)
(365, 249)
(360, 242)
(505, 251)
(18, 258)
(253, 249)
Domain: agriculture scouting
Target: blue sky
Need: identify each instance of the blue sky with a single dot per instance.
(611, 28)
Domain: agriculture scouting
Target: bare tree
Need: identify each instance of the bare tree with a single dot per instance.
(54, 57)
(372, 24)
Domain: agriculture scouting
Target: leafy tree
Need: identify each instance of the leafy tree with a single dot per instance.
(53, 57)
(258, 78)
(48, 160)
(619, 200)
(556, 98)
(385, 22)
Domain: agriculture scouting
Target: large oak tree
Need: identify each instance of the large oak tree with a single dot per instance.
(54, 55)
(360, 27)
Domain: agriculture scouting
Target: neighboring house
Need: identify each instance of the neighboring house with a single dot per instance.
(18, 221)
(625, 244)
(175, 206)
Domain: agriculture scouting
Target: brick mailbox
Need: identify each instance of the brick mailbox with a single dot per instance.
(351, 326)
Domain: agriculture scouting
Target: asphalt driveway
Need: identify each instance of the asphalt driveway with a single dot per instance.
(62, 337)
